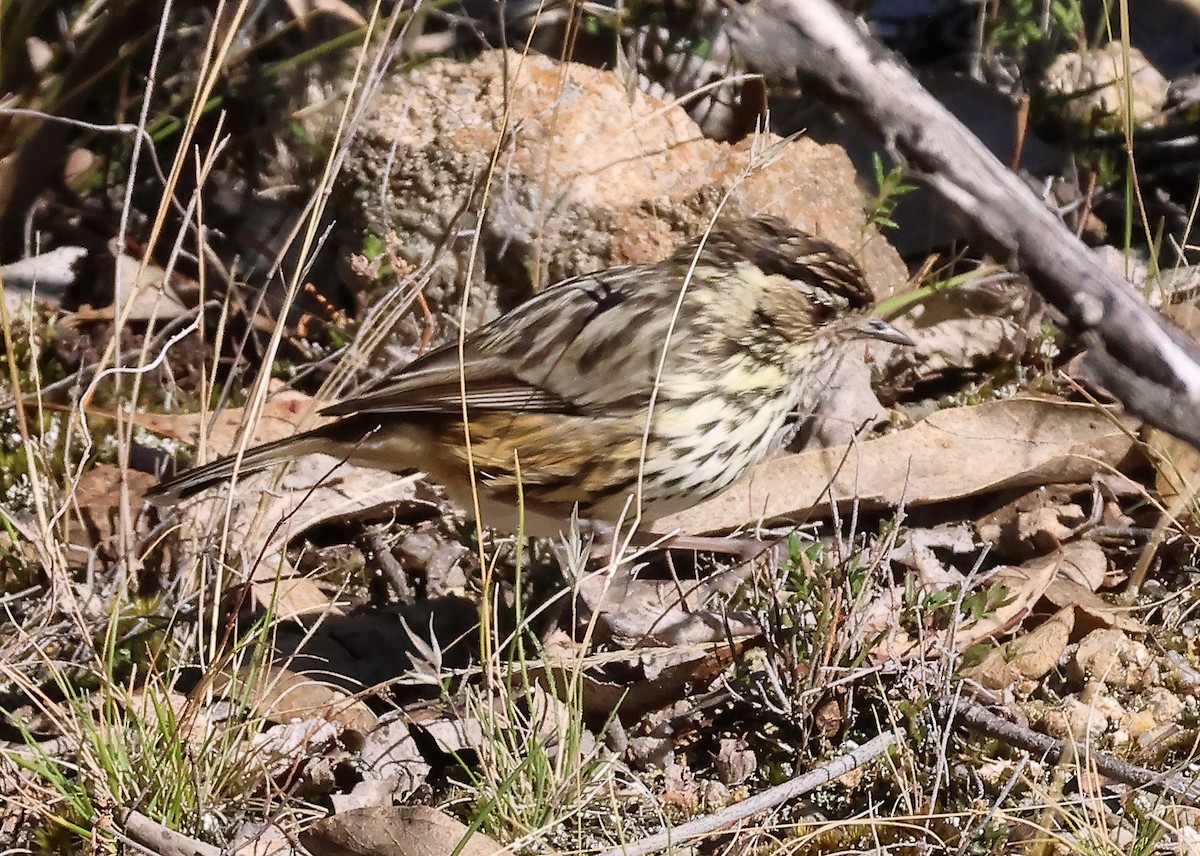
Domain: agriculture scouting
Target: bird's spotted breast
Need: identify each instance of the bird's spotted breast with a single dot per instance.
(702, 449)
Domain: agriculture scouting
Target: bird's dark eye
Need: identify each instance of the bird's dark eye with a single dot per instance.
(822, 313)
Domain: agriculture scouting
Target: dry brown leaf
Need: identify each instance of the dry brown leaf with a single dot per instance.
(1091, 610)
(993, 672)
(337, 8)
(96, 499)
(1025, 585)
(285, 746)
(954, 453)
(281, 417)
(288, 695)
(368, 793)
(1085, 569)
(341, 9)
(1042, 519)
(1035, 654)
(281, 695)
(1084, 562)
(848, 407)
(262, 525)
(922, 549)
(735, 761)
(1030, 657)
(878, 622)
(414, 830)
(1177, 468)
(256, 839)
(299, 10)
(390, 753)
(647, 685)
(454, 735)
(145, 290)
(636, 613)
(288, 595)
(945, 343)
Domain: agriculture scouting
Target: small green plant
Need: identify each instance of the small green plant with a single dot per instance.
(140, 744)
(375, 251)
(537, 765)
(1016, 26)
(983, 603)
(1021, 26)
(810, 614)
(889, 187)
(942, 609)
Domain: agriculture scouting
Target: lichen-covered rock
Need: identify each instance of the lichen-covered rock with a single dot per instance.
(1092, 87)
(1109, 655)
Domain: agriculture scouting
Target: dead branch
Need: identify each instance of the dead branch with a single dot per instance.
(770, 798)
(979, 719)
(160, 839)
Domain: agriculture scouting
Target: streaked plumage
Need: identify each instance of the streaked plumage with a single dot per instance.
(564, 383)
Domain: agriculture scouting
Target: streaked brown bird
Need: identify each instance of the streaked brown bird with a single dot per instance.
(672, 377)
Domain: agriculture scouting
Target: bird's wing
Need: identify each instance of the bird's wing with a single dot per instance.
(565, 351)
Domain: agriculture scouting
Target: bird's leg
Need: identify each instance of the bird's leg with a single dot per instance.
(740, 546)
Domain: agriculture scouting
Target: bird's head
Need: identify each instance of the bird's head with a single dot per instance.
(796, 295)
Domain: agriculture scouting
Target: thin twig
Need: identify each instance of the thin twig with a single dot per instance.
(374, 540)
(980, 719)
(162, 840)
(770, 798)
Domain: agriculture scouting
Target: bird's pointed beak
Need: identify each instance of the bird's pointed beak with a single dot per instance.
(877, 328)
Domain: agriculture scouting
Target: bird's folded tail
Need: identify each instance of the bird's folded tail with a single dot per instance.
(190, 482)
